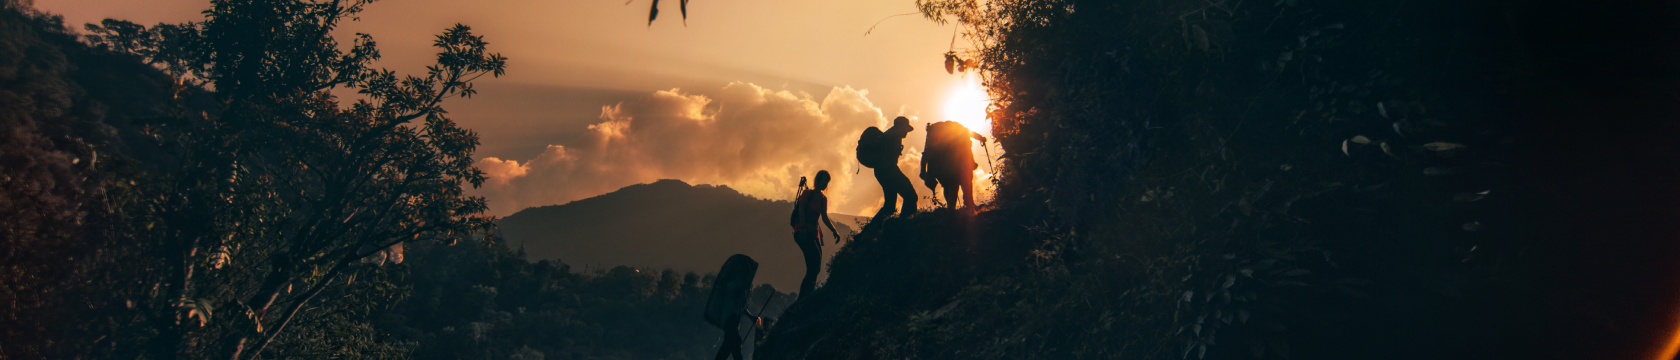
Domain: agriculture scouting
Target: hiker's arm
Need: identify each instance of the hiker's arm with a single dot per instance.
(830, 229)
(924, 163)
(977, 136)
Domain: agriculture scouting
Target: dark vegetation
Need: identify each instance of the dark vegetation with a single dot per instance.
(1176, 186)
(67, 199)
(482, 301)
(149, 217)
(666, 224)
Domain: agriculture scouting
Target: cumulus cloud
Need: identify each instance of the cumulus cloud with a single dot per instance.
(756, 140)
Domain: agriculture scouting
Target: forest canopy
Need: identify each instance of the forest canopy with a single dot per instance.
(261, 199)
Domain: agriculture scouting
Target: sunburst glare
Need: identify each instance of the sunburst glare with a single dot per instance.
(967, 104)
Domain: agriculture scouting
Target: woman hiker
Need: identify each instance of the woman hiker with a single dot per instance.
(810, 206)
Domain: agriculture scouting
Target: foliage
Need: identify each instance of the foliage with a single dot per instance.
(1020, 46)
(1244, 230)
(481, 301)
(71, 189)
(249, 210)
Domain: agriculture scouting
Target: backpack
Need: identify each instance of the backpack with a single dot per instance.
(948, 147)
(875, 149)
(799, 205)
(729, 291)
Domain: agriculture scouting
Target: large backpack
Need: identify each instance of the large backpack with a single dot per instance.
(730, 290)
(948, 147)
(876, 149)
(799, 205)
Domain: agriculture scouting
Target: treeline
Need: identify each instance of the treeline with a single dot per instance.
(195, 190)
(483, 301)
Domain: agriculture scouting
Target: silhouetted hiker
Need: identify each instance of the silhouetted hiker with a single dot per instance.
(879, 150)
(728, 302)
(810, 206)
(948, 159)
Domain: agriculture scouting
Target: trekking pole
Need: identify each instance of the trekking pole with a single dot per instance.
(757, 318)
(988, 149)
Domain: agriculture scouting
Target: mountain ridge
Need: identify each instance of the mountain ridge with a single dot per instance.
(667, 224)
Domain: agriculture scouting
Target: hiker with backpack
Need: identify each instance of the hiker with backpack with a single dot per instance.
(810, 206)
(879, 150)
(728, 303)
(947, 159)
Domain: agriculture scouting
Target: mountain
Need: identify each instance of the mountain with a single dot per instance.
(668, 224)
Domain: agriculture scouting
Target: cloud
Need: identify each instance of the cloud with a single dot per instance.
(755, 140)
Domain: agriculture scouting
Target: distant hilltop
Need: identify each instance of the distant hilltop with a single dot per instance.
(668, 224)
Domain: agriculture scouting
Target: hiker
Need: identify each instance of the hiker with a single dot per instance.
(948, 159)
(728, 302)
(810, 206)
(731, 346)
(880, 150)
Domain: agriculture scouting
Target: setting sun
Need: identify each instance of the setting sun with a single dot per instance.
(967, 103)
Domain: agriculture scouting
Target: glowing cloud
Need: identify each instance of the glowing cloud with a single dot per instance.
(756, 140)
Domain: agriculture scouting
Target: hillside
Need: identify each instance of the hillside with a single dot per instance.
(667, 224)
(1288, 180)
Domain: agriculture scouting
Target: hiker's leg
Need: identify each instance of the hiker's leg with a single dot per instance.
(890, 202)
(902, 185)
(950, 192)
(967, 184)
(813, 262)
(723, 351)
(731, 346)
(730, 349)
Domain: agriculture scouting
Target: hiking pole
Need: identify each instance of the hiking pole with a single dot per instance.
(758, 318)
(988, 149)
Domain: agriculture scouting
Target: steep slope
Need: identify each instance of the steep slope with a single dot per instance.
(903, 271)
(667, 224)
(74, 158)
(1322, 180)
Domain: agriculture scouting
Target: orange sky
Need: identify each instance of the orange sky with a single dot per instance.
(568, 59)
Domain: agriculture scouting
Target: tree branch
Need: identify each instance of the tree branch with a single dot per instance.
(292, 310)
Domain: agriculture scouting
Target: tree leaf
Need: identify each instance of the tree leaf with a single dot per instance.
(1442, 146)
(653, 12)
(1470, 196)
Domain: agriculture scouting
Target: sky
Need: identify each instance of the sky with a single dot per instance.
(751, 94)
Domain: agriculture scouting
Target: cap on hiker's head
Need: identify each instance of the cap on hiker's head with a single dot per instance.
(903, 121)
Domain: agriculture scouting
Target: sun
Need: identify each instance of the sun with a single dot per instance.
(967, 104)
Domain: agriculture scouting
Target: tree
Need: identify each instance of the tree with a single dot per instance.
(280, 190)
(1019, 52)
(653, 11)
(67, 186)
